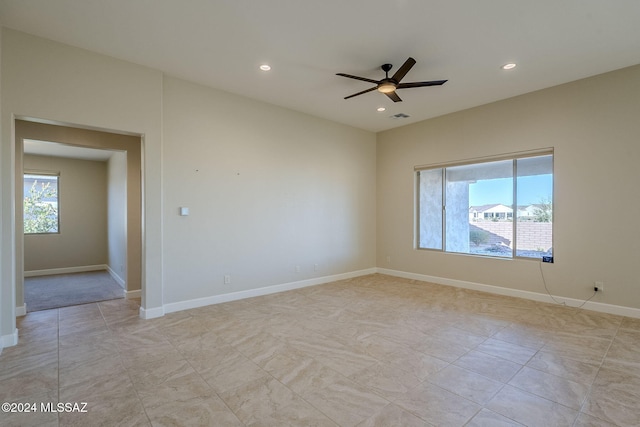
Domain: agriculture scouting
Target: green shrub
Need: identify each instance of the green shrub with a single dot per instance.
(478, 236)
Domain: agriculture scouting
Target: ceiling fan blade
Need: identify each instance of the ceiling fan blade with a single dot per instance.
(360, 93)
(421, 84)
(358, 78)
(402, 71)
(394, 96)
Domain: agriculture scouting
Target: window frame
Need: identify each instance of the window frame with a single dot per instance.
(513, 157)
(40, 173)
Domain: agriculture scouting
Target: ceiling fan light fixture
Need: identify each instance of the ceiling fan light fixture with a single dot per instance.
(386, 87)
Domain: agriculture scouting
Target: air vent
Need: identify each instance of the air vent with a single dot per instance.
(400, 116)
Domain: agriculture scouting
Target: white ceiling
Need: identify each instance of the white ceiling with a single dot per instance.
(221, 43)
(46, 148)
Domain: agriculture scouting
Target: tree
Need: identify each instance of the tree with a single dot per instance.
(40, 212)
(543, 211)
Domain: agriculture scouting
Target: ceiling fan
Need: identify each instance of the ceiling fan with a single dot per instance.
(389, 85)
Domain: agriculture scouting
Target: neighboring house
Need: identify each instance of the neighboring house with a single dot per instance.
(502, 212)
(490, 212)
(529, 211)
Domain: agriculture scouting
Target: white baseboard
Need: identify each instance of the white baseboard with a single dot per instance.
(132, 294)
(65, 270)
(21, 310)
(116, 277)
(234, 296)
(535, 296)
(151, 313)
(9, 340)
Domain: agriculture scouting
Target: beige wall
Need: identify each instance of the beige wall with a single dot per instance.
(82, 198)
(268, 189)
(593, 126)
(117, 217)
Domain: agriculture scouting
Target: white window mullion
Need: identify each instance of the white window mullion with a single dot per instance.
(514, 207)
(444, 209)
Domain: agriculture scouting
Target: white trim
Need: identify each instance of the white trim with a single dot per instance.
(485, 159)
(9, 340)
(535, 296)
(116, 277)
(234, 296)
(151, 313)
(132, 294)
(21, 310)
(65, 270)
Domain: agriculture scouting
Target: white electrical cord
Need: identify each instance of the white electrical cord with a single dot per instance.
(561, 302)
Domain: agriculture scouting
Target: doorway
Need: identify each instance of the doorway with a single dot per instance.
(82, 250)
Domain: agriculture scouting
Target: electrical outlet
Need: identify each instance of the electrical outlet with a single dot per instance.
(227, 279)
(298, 269)
(316, 267)
(598, 287)
(388, 259)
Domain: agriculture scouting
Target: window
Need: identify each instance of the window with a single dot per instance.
(501, 208)
(41, 204)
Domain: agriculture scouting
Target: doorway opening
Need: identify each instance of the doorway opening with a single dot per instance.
(93, 253)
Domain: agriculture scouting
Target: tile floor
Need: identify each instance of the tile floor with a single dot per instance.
(370, 351)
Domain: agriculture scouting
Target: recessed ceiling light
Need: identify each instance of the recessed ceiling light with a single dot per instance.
(265, 67)
(380, 109)
(509, 66)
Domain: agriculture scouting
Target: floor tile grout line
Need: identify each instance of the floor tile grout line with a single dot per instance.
(202, 378)
(483, 405)
(522, 366)
(293, 391)
(58, 388)
(303, 398)
(135, 390)
(604, 358)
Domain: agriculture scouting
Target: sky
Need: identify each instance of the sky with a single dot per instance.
(531, 189)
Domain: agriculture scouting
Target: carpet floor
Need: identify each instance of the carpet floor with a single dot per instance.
(62, 290)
